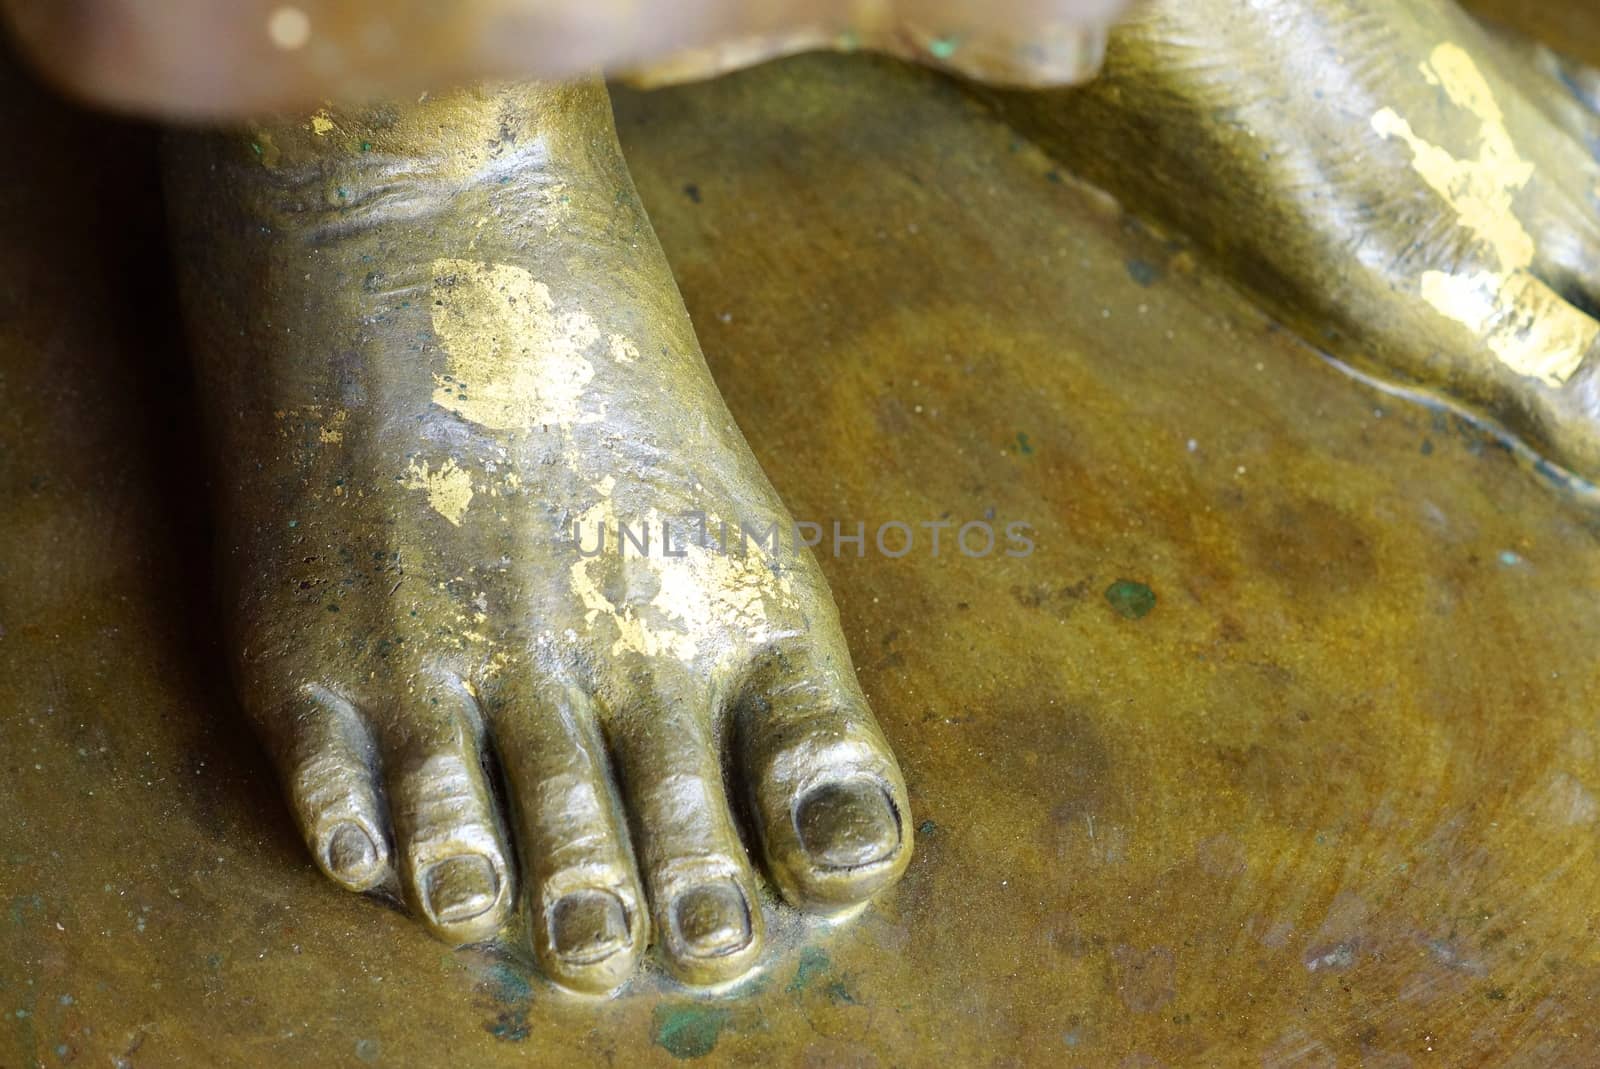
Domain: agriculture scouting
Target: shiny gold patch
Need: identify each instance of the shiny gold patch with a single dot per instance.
(449, 488)
(1525, 323)
(514, 362)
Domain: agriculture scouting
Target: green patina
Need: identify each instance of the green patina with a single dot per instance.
(943, 47)
(815, 966)
(511, 1026)
(506, 985)
(22, 905)
(688, 1031)
(814, 962)
(1143, 272)
(513, 991)
(1131, 599)
(1024, 446)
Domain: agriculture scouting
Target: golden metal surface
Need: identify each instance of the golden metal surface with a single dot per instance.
(467, 452)
(1393, 185)
(1279, 748)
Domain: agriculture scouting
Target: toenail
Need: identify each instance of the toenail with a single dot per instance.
(712, 920)
(460, 888)
(588, 926)
(847, 825)
(351, 852)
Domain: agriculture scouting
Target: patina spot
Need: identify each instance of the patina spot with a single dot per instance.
(688, 1031)
(814, 962)
(1131, 599)
(1143, 272)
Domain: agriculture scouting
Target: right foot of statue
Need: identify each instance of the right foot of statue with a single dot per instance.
(440, 351)
(1415, 197)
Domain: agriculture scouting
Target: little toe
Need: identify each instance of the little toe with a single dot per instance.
(702, 889)
(328, 764)
(352, 855)
(586, 911)
(828, 796)
(453, 858)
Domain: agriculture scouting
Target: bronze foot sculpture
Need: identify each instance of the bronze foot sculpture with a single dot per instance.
(465, 435)
(442, 352)
(1413, 194)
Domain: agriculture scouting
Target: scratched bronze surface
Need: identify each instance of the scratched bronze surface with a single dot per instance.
(1280, 749)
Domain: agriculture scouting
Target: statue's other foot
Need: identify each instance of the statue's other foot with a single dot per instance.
(444, 359)
(1418, 198)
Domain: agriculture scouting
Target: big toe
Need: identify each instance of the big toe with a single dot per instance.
(847, 824)
(829, 799)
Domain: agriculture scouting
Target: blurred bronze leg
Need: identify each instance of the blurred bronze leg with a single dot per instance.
(1371, 170)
